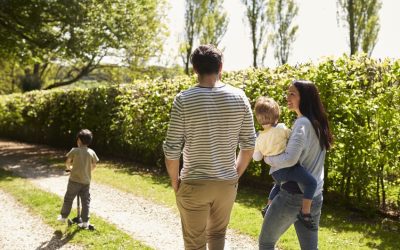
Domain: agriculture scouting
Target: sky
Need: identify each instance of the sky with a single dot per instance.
(319, 34)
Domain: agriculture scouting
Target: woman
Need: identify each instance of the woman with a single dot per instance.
(307, 145)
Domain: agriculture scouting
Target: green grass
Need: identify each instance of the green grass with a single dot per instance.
(48, 205)
(340, 229)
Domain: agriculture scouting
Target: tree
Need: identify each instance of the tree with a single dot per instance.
(256, 13)
(78, 34)
(214, 23)
(281, 14)
(193, 12)
(362, 19)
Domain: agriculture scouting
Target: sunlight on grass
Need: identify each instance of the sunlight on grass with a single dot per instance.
(338, 230)
(48, 205)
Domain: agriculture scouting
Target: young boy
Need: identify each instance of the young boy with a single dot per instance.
(83, 161)
(272, 141)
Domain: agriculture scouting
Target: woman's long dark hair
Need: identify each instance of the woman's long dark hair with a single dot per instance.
(311, 107)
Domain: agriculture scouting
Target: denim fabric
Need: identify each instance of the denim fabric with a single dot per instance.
(297, 174)
(282, 213)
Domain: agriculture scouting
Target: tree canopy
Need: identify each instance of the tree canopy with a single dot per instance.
(79, 33)
(362, 20)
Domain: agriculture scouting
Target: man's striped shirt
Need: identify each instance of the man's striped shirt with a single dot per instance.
(209, 123)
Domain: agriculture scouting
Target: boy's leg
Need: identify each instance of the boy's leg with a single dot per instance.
(72, 190)
(85, 198)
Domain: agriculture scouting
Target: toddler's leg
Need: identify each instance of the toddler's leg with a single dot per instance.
(72, 190)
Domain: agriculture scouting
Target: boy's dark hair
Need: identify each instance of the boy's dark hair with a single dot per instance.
(206, 59)
(86, 136)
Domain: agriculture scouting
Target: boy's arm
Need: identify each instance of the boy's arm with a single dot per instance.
(95, 159)
(68, 164)
(93, 165)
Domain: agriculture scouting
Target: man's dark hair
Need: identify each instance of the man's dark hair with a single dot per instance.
(86, 136)
(206, 59)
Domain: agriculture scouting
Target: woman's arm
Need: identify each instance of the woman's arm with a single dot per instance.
(293, 149)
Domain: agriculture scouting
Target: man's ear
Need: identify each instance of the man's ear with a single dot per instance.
(220, 72)
(195, 70)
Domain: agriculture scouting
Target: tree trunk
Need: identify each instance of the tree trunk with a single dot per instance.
(350, 9)
(188, 52)
(383, 191)
(378, 196)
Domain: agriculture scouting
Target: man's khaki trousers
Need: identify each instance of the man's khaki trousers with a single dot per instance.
(205, 207)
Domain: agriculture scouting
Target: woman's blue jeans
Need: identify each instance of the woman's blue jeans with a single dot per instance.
(282, 213)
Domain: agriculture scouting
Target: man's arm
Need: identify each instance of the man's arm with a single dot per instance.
(173, 172)
(174, 141)
(243, 160)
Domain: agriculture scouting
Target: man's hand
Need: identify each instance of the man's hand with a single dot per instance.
(175, 185)
(173, 172)
(243, 161)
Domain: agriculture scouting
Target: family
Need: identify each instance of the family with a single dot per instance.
(209, 121)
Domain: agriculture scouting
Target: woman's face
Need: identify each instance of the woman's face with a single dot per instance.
(293, 99)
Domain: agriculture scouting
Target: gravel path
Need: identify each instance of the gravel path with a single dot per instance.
(155, 225)
(21, 230)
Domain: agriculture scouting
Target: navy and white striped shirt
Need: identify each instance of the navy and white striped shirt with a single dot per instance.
(209, 123)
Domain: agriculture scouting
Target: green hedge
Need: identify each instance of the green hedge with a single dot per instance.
(361, 95)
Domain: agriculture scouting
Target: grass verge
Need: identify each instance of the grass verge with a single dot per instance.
(47, 206)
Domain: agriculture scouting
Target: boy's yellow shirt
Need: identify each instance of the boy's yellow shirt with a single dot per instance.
(272, 141)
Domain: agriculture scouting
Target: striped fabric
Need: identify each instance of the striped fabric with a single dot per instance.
(209, 123)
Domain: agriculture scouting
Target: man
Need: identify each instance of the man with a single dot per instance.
(208, 120)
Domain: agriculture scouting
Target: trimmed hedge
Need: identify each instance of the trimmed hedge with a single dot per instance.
(361, 95)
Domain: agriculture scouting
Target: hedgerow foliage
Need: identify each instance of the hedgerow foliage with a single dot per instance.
(361, 95)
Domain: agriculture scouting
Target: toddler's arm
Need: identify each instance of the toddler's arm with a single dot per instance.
(257, 156)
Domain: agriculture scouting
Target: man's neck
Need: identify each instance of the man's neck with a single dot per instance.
(209, 81)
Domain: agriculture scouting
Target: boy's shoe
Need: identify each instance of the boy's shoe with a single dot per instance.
(307, 221)
(61, 219)
(264, 210)
(84, 225)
